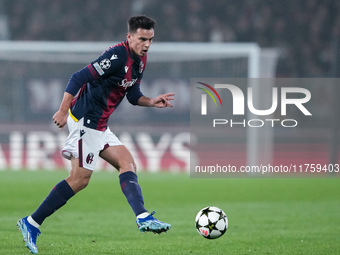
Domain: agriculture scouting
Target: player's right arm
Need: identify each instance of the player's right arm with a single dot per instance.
(76, 81)
(60, 117)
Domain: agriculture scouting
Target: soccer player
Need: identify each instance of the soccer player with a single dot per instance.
(91, 96)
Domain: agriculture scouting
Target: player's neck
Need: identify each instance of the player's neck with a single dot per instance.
(133, 55)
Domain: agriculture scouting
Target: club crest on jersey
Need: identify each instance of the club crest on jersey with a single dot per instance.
(141, 67)
(125, 83)
(105, 63)
(89, 158)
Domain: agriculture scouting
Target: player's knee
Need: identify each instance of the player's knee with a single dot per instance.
(78, 179)
(77, 184)
(84, 182)
(128, 166)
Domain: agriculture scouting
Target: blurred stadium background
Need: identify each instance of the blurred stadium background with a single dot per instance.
(295, 38)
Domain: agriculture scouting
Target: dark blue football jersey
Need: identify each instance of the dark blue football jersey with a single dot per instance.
(102, 85)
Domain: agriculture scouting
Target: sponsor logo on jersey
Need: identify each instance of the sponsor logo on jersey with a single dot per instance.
(126, 69)
(98, 68)
(105, 63)
(125, 83)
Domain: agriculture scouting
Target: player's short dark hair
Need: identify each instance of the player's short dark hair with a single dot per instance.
(140, 21)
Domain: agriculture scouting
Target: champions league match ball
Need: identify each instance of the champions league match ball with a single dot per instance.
(211, 222)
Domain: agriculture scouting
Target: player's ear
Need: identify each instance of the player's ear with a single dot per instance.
(128, 36)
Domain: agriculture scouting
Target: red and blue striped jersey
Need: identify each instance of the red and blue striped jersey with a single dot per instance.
(100, 87)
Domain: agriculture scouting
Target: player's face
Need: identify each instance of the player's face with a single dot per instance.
(140, 41)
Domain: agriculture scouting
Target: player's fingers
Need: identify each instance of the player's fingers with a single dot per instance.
(167, 104)
(166, 101)
(170, 96)
(59, 125)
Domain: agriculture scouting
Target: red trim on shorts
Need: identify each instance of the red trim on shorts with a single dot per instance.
(105, 147)
(80, 152)
(66, 154)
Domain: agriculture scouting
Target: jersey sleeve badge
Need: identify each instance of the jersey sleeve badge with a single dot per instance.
(105, 63)
(98, 68)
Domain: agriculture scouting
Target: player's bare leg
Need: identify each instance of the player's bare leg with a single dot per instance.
(79, 177)
(122, 160)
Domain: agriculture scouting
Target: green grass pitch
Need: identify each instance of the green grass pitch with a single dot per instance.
(266, 216)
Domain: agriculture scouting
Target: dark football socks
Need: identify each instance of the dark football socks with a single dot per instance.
(132, 191)
(55, 199)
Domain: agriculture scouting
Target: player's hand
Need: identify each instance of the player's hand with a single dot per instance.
(60, 119)
(163, 100)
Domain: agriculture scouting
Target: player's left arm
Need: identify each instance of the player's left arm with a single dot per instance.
(159, 101)
(136, 97)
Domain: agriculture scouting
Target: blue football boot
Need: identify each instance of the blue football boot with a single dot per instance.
(29, 233)
(151, 224)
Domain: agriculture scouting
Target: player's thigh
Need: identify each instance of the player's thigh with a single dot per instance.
(79, 172)
(119, 157)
